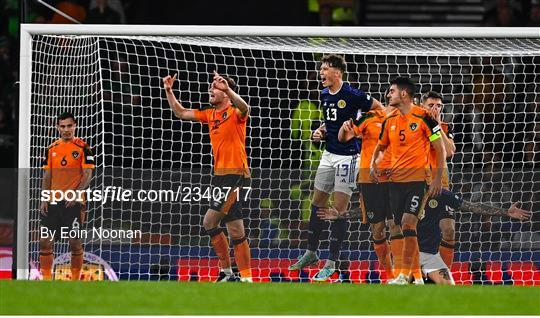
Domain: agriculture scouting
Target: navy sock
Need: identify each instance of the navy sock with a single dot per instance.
(314, 229)
(338, 230)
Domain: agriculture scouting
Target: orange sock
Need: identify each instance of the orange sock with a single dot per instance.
(46, 259)
(242, 254)
(382, 249)
(221, 247)
(416, 271)
(396, 246)
(446, 249)
(77, 258)
(410, 249)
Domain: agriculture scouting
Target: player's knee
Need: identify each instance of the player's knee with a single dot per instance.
(320, 198)
(45, 245)
(75, 244)
(409, 221)
(210, 221)
(378, 237)
(393, 228)
(448, 232)
(208, 224)
(378, 231)
(235, 233)
(341, 201)
(443, 281)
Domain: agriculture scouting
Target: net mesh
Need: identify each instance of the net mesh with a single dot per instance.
(113, 86)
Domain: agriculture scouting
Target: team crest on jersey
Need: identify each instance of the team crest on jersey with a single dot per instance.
(75, 154)
(224, 116)
(341, 103)
(54, 154)
(413, 126)
(433, 203)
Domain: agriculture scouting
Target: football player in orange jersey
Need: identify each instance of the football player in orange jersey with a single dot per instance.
(227, 120)
(68, 166)
(373, 196)
(408, 131)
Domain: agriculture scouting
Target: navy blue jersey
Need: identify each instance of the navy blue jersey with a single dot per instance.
(347, 103)
(428, 231)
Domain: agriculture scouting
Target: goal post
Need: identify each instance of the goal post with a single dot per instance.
(110, 77)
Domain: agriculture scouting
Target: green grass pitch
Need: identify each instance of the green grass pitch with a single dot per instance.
(180, 298)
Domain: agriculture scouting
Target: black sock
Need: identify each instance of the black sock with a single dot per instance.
(338, 230)
(314, 229)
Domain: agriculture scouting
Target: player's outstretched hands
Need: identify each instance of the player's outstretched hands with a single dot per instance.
(328, 213)
(168, 81)
(515, 212)
(220, 83)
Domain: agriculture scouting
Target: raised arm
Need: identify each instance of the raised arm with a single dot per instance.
(241, 105)
(376, 105)
(177, 108)
(448, 143)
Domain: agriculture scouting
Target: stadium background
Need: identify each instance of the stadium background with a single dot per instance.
(277, 13)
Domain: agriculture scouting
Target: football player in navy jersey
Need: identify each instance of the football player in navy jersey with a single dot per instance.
(429, 235)
(433, 102)
(337, 171)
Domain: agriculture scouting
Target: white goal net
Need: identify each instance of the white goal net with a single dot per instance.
(112, 83)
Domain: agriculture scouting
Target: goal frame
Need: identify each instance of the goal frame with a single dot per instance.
(20, 250)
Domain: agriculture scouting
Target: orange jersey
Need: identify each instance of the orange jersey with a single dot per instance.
(409, 137)
(385, 164)
(66, 160)
(433, 159)
(228, 138)
(368, 127)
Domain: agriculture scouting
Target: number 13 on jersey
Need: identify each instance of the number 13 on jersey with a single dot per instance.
(331, 114)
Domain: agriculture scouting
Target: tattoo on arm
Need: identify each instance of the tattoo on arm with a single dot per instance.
(481, 208)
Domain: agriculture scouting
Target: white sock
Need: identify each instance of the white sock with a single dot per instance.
(309, 253)
(228, 271)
